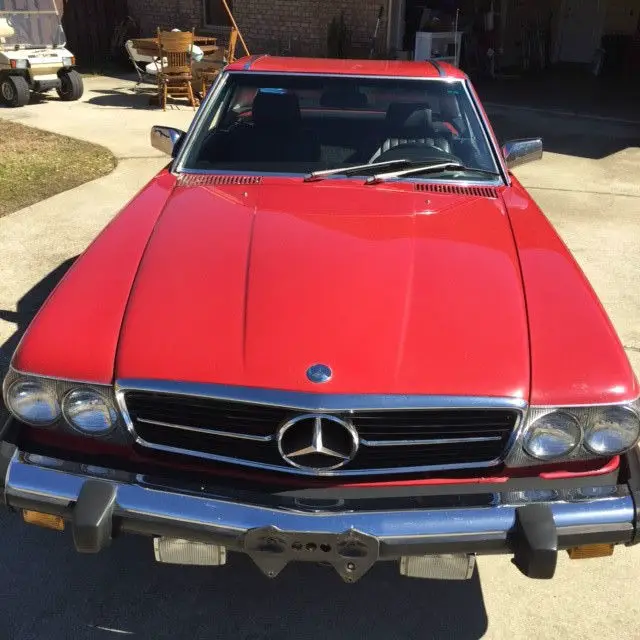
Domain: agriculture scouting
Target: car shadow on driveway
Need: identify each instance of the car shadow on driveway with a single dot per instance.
(48, 591)
(26, 309)
(572, 136)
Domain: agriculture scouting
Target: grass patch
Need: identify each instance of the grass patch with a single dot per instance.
(35, 165)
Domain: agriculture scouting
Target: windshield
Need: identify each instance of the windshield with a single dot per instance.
(301, 124)
(30, 23)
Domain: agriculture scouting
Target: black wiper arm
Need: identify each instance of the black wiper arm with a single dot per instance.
(320, 175)
(426, 168)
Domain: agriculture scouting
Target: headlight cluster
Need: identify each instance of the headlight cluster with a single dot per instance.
(577, 433)
(41, 402)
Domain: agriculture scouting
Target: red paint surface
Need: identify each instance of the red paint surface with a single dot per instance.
(75, 333)
(396, 292)
(399, 291)
(576, 355)
(334, 66)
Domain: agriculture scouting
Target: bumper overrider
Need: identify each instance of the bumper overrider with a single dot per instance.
(194, 525)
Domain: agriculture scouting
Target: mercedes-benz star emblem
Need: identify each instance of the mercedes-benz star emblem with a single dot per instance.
(317, 443)
(319, 373)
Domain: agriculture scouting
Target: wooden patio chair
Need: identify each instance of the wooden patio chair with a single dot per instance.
(175, 74)
(208, 74)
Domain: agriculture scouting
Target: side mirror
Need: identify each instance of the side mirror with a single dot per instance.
(166, 139)
(517, 152)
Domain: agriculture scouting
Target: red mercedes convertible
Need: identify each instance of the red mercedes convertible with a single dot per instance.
(334, 329)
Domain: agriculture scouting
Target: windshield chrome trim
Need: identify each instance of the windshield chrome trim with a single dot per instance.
(484, 125)
(194, 128)
(438, 68)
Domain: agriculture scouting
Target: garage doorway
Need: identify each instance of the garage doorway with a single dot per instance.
(580, 30)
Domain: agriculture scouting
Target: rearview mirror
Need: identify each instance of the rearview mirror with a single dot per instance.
(517, 152)
(166, 139)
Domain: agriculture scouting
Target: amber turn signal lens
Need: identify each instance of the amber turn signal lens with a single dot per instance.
(45, 520)
(590, 551)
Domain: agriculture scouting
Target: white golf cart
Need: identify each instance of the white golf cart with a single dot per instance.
(33, 56)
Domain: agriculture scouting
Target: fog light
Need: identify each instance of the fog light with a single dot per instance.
(590, 551)
(179, 551)
(45, 520)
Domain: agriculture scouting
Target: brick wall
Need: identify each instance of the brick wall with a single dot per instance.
(178, 14)
(269, 26)
(272, 26)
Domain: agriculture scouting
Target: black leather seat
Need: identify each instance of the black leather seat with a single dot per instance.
(277, 132)
(410, 123)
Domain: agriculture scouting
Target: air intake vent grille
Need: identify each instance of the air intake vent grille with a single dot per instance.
(453, 189)
(198, 180)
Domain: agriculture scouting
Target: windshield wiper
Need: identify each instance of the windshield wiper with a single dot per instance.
(320, 175)
(427, 168)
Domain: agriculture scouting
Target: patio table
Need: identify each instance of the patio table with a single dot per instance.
(149, 46)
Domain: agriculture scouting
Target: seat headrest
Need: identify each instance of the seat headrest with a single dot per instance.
(419, 118)
(409, 118)
(276, 109)
(408, 114)
(343, 99)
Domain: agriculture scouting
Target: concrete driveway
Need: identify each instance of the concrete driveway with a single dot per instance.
(589, 187)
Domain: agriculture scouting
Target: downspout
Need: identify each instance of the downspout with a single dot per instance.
(389, 21)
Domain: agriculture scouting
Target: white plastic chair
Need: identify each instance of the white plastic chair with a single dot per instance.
(146, 67)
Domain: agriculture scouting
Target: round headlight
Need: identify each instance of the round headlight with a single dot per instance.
(612, 430)
(32, 402)
(553, 436)
(88, 412)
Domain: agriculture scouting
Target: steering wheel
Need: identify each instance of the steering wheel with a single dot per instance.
(416, 152)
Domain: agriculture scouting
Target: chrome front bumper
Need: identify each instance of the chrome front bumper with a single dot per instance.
(100, 504)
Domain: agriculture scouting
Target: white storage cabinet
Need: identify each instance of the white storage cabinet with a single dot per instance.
(437, 45)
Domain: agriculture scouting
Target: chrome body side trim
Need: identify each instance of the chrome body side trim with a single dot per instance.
(55, 489)
(315, 403)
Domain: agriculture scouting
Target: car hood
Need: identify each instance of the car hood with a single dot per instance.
(395, 289)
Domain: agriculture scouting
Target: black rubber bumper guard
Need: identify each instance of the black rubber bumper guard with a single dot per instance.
(534, 540)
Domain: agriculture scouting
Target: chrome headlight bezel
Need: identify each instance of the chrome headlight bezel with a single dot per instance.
(91, 396)
(118, 434)
(584, 415)
(39, 388)
(617, 414)
(566, 424)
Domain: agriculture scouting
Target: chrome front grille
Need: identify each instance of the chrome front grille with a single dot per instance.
(392, 441)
